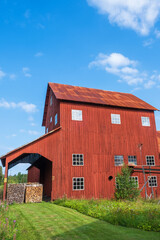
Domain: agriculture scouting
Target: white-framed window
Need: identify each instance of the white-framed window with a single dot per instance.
(76, 115)
(115, 118)
(118, 160)
(51, 101)
(152, 181)
(132, 160)
(150, 161)
(56, 119)
(77, 159)
(50, 119)
(78, 183)
(135, 178)
(145, 121)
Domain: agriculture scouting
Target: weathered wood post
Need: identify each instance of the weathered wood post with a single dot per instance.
(5, 181)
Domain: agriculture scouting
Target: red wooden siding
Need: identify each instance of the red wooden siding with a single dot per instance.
(52, 110)
(33, 174)
(99, 141)
(158, 138)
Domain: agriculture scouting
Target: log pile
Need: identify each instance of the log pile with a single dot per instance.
(15, 193)
(28, 192)
(34, 192)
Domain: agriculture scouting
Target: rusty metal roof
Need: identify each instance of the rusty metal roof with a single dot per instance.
(95, 96)
(90, 95)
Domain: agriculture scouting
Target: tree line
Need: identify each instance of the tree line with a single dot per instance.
(17, 178)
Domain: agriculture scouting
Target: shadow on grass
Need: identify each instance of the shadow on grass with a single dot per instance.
(101, 230)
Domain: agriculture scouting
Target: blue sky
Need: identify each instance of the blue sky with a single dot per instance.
(111, 45)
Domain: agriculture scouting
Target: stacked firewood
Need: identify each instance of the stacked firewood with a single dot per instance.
(15, 193)
(28, 192)
(34, 192)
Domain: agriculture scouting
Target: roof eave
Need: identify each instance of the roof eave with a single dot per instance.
(3, 157)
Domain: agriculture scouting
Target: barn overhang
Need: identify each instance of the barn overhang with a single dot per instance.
(30, 153)
(23, 156)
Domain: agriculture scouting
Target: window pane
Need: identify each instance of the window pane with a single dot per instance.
(150, 160)
(78, 183)
(77, 115)
(152, 181)
(118, 160)
(132, 160)
(145, 121)
(115, 119)
(77, 159)
(56, 119)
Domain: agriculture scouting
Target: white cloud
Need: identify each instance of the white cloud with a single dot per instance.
(12, 135)
(38, 54)
(148, 42)
(12, 76)
(2, 74)
(33, 124)
(31, 132)
(149, 84)
(40, 26)
(22, 131)
(27, 107)
(120, 65)
(26, 72)
(126, 70)
(139, 15)
(157, 33)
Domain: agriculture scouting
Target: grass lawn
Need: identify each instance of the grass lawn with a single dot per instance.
(49, 221)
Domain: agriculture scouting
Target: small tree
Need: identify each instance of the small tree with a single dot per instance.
(126, 187)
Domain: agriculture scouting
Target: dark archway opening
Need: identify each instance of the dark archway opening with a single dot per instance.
(40, 170)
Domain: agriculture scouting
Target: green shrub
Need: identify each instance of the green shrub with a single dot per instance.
(126, 187)
(140, 214)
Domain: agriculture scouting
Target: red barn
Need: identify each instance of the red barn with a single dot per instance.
(90, 134)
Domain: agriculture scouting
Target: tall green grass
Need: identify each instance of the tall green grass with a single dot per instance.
(140, 214)
(1, 192)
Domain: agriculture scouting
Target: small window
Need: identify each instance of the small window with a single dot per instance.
(51, 101)
(115, 119)
(145, 121)
(77, 115)
(46, 130)
(152, 181)
(136, 180)
(50, 119)
(150, 160)
(132, 160)
(77, 160)
(118, 160)
(56, 119)
(78, 183)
